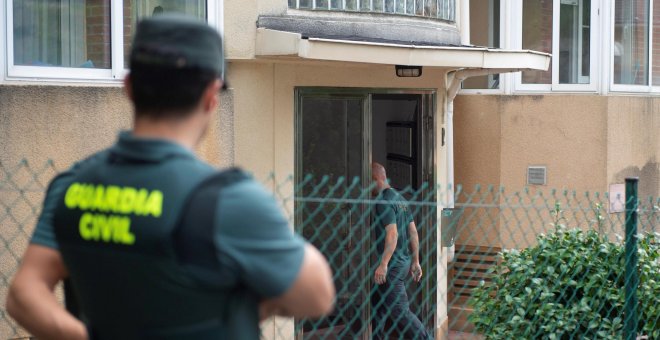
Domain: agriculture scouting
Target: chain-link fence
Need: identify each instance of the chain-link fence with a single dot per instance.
(22, 188)
(525, 264)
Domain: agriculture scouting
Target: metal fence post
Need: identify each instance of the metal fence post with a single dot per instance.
(631, 276)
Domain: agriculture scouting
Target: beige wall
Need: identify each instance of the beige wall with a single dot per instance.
(59, 123)
(565, 133)
(633, 143)
(477, 154)
(240, 28)
(586, 142)
(67, 123)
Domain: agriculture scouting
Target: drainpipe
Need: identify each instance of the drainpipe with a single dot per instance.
(454, 80)
(449, 144)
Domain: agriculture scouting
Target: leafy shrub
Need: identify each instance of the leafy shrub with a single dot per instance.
(570, 285)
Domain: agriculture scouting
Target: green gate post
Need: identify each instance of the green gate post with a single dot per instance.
(631, 276)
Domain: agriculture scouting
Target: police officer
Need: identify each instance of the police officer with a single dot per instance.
(398, 247)
(156, 244)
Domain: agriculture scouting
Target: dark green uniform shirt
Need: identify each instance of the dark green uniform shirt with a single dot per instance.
(395, 211)
(115, 218)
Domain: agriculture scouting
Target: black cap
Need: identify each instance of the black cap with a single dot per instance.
(178, 41)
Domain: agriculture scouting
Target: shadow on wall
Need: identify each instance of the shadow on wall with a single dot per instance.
(649, 178)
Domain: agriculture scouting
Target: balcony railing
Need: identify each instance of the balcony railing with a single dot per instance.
(437, 9)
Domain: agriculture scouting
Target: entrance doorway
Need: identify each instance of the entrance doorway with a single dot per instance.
(339, 132)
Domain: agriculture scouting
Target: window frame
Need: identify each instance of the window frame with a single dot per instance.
(652, 88)
(592, 85)
(555, 86)
(3, 42)
(630, 88)
(10, 72)
(504, 44)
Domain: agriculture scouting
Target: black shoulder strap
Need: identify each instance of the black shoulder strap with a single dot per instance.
(193, 236)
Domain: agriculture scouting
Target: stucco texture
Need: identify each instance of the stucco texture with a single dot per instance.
(587, 142)
(477, 154)
(67, 123)
(633, 143)
(59, 123)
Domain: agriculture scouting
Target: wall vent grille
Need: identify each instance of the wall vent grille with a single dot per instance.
(536, 175)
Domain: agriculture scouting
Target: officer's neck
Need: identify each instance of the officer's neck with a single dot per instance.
(185, 132)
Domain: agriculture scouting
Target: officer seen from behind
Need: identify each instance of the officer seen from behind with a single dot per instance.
(156, 243)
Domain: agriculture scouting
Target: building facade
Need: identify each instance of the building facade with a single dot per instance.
(323, 74)
(590, 120)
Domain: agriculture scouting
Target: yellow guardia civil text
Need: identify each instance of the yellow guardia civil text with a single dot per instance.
(107, 210)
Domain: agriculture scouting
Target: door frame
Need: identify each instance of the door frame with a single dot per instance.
(428, 147)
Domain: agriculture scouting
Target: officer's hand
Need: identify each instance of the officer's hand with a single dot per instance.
(380, 276)
(416, 271)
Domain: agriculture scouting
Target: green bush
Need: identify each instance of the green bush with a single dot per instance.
(570, 285)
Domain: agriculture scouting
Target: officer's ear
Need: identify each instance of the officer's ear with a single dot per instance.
(210, 99)
(128, 87)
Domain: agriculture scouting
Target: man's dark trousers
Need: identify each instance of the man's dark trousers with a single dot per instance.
(390, 302)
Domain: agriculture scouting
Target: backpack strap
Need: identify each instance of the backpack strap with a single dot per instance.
(193, 236)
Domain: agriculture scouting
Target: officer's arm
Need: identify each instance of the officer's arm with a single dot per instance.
(414, 241)
(311, 294)
(391, 235)
(385, 216)
(255, 241)
(31, 299)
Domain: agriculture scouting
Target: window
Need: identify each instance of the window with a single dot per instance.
(574, 41)
(631, 43)
(134, 10)
(439, 9)
(79, 39)
(537, 36)
(566, 29)
(635, 49)
(656, 44)
(570, 31)
(562, 28)
(69, 33)
(484, 31)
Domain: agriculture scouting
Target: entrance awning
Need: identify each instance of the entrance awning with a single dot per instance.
(274, 43)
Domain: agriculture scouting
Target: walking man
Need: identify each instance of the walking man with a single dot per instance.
(398, 245)
(156, 243)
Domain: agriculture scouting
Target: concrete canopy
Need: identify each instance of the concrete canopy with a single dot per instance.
(274, 43)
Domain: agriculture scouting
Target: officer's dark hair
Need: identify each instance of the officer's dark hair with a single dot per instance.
(164, 92)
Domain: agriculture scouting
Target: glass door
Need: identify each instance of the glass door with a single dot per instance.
(338, 133)
(402, 140)
(331, 158)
